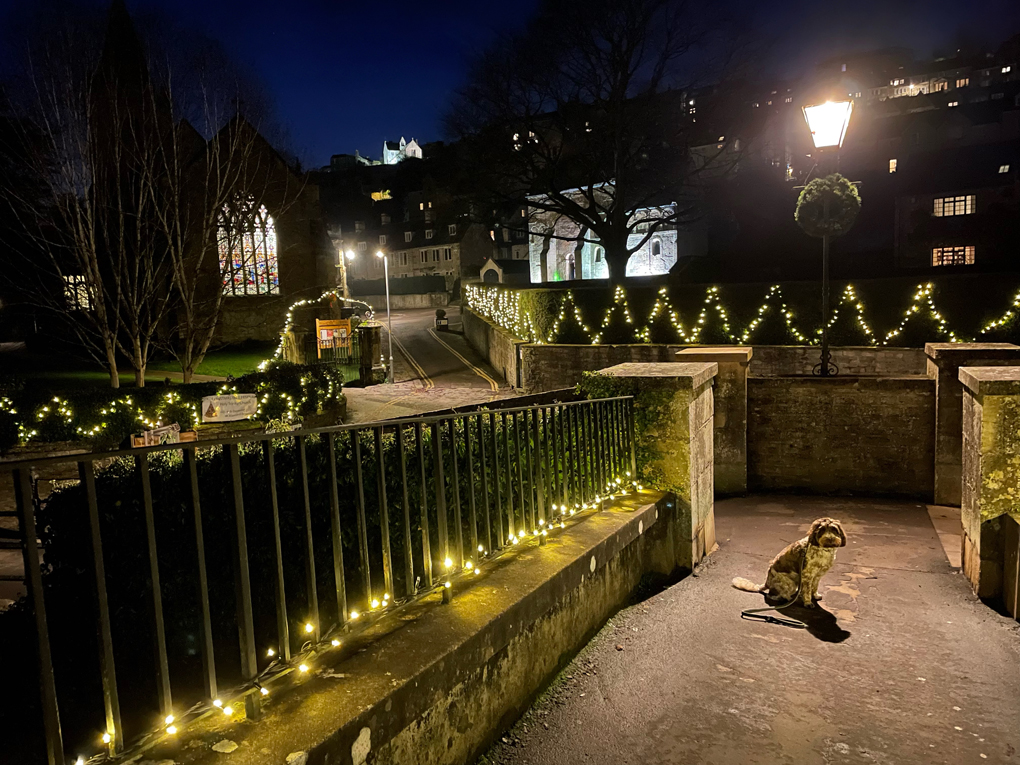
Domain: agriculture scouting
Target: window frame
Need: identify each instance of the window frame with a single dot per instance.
(953, 255)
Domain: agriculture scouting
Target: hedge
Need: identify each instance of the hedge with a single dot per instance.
(896, 312)
(104, 417)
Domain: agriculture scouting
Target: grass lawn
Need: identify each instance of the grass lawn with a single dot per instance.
(233, 360)
(62, 371)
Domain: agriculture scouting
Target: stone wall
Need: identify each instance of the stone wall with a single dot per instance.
(783, 360)
(407, 302)
(497, 346)
(860, 435)
(547, 367)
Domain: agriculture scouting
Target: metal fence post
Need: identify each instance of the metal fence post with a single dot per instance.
(245, 619)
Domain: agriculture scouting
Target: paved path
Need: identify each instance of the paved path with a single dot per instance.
(904, 666)
(434, 370)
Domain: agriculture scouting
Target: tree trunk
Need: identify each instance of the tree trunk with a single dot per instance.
(138, 362)
(111, 363)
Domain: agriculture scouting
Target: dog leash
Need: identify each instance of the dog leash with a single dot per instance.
(761, 614)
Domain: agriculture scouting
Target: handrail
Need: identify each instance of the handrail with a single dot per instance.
(362, 516)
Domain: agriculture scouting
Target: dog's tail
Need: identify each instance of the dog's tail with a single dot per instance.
(747, 585)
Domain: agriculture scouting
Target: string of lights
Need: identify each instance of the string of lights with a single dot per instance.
(503, 306)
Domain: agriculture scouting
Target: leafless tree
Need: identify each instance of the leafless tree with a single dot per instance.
(584, 115)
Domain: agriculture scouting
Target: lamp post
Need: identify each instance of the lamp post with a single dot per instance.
(828, 123)
(389, 319)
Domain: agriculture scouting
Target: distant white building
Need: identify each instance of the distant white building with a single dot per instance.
(558, 251)
(394, 151)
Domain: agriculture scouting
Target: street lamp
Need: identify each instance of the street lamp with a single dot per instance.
(828, 123)
(389, 319)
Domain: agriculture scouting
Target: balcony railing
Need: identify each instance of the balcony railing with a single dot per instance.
(177, 581)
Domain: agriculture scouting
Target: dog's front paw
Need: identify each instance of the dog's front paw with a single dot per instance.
(810, 604)
(816, 597)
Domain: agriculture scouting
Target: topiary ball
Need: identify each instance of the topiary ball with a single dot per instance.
(844, 204)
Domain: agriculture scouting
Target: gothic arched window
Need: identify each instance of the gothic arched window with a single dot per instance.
(246, 238)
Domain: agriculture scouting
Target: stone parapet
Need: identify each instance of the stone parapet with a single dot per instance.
(673, 422)
(730, 419)
(990, 507)
(944, 363)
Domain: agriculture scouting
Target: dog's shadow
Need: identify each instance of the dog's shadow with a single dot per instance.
(820, 622)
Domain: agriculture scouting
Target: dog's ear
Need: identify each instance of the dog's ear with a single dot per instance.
(814, 531)
(842, 534)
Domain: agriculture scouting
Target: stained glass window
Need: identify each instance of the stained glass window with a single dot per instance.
(247, 247)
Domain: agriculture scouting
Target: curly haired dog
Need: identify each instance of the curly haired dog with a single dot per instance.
(797, 570)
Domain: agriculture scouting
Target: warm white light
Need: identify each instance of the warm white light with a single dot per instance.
(303, 668)
(448, 562)
(217, 703)
(379, 254)
(481, 549)
(478, 571)
(447, 585)
(264, 691)
(270, 653)
(309, 627)
(172, 730)
(355, 614)
(350, 254)
(375, 604)
(828, 122)
(169, 720)
(106, 738)
(80, 761)
(228, 711)
(468, 565)
(335, 643)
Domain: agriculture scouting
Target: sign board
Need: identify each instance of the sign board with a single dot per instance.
(229, 407)
(332, 333)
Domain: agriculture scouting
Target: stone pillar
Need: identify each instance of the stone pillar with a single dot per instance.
(673, 408)
(944, 362)
(991, 479)
(371, 369)
(730, 421)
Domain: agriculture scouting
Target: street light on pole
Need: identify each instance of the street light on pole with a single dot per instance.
(828, 123)
(389, 319)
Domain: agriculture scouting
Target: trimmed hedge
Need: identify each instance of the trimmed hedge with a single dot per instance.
(897, 312)
(104, 417)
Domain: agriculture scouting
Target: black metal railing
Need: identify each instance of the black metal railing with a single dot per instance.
(212, 569)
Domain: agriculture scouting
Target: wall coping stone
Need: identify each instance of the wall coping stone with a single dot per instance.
(739, 353)
(692, 375)
(991, 381)
(954, 352)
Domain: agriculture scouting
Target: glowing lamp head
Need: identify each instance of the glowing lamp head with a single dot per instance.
(379, 254)
(309, 627)
(228, 711)
(303, 668)
(828, 123)
(264, 691)
(107, 738)
(217, 703)
(350, 254)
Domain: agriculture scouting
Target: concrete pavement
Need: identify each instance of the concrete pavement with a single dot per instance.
(904, 665)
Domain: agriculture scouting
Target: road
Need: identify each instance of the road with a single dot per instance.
(434, 370)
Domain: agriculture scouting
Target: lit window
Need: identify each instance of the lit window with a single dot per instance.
(76, 293)
(953, 256)
(949, 206)
(954, 103)
(382, 238)
(789, 99)
(428, 233)
(1003, 168)
(963, 82)
(246, 239)
(421, 206)
(524, 213)
(452, 229)
(892, 165)
(1007, 69)
(447, 254)
(408, 236)
(843, 68)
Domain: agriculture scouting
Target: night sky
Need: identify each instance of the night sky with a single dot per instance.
(349, 73)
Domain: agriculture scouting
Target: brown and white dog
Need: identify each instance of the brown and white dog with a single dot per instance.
(797, 570)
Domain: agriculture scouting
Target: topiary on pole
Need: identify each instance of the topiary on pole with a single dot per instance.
(827, 208)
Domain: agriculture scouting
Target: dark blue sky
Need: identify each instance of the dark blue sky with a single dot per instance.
(346, 74)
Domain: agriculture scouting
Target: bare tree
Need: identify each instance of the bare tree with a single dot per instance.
(86, 137)
(584, 115)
